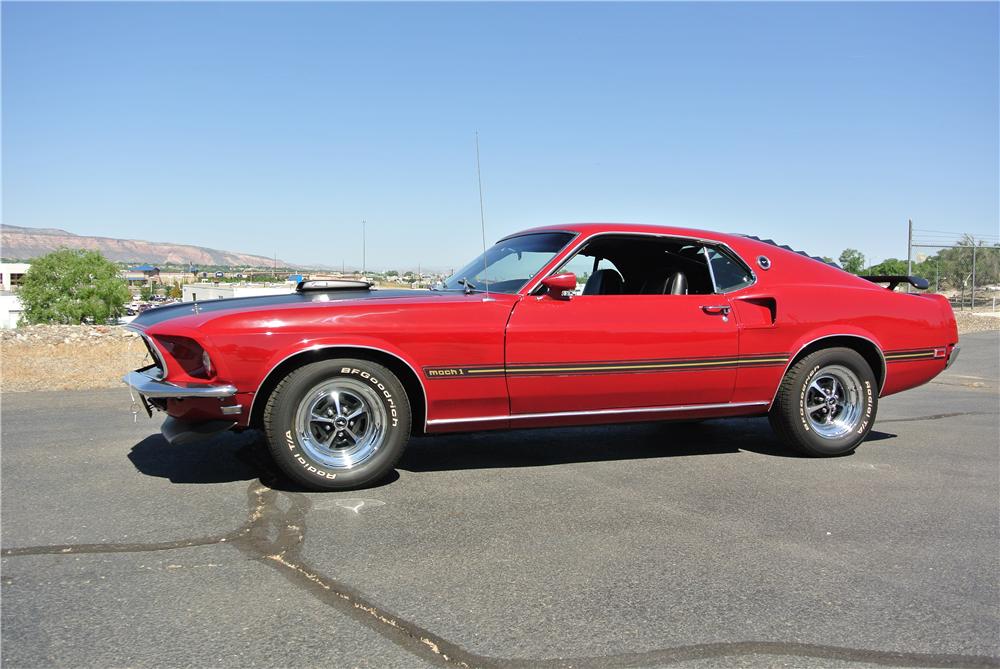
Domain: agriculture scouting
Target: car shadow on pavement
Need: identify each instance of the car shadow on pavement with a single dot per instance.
(225, 458)
(222, 459)
(243, 457)
(541, 447)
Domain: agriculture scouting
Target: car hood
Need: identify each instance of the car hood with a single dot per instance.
(169, 312)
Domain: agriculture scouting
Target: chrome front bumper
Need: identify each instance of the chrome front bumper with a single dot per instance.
(148, 386)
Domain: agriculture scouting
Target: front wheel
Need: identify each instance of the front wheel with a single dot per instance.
(337, 424)
(827, 402)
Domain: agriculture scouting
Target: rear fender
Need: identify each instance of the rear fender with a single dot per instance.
(859, 338)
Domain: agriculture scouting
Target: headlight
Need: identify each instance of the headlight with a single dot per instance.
(188, 355)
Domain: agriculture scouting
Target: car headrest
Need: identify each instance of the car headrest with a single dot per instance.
(678, 284)
(604, 282)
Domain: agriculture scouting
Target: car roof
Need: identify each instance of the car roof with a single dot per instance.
(735, 240)
(594, 228)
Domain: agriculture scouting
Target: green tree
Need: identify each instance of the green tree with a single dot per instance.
(852, 261)
(175, 291)
(146, 293)
(955, 263)
(890, 266)
(70, 286)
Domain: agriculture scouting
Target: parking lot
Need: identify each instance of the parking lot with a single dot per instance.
(643, 545)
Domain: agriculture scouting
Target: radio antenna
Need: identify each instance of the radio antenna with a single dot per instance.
(482, 218)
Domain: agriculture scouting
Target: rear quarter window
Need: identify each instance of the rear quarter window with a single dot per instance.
(729, 273)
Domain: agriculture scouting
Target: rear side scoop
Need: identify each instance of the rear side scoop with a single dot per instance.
(895, 279)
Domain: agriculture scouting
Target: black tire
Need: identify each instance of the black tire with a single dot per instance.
(295, 428)
(800, 428)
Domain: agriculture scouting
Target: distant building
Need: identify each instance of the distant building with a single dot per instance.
(142, 275)
(202, 292)
(10, 311)
(12, 273)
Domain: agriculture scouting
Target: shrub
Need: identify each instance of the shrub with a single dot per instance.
(72, 286)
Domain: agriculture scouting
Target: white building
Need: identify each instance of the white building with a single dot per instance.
(10, 306)
(10, 311)
(11, 273)
(217, 291)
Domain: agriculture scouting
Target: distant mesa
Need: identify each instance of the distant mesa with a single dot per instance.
(25, 243)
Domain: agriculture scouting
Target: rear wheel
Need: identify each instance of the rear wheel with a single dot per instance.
(827, 402)
(337, 424)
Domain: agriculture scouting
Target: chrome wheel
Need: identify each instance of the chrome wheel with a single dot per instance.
(833, 402)
(341, 423)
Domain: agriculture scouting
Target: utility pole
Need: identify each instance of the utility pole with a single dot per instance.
(909, 250)
(364, 244)
(973, 272)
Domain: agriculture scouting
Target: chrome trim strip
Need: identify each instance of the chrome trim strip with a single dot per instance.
(319, 347)
(791, 359)
(581, 240)
(711, 270)
(595, 412)
(146, 385)
(155, 352)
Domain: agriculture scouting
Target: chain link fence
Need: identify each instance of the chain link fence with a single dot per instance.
(963, 267)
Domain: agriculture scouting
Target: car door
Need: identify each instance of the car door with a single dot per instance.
(618, 351)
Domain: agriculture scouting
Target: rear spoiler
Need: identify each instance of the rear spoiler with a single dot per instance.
(330, 285)
(895, 279)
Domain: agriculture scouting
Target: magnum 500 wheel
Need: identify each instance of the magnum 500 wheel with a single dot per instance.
(827, 402)
(337, 424)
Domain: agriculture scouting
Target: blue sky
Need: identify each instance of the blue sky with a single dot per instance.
(275, 128)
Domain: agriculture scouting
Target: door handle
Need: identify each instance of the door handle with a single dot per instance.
(716, 309)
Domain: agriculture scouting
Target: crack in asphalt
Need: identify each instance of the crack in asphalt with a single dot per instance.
(275, 532)
(937, 416)
(78, 549)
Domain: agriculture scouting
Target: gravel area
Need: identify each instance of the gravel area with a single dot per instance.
(78, 357)
(68, 357)
(977, 321)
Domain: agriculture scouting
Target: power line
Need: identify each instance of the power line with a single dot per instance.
(949, 232)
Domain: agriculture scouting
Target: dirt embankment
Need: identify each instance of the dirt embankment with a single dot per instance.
(977, 321)
(76, 357)
(68, 357)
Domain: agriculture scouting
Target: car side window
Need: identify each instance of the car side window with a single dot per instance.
(728, 274)
(583, 266)
(632, 264)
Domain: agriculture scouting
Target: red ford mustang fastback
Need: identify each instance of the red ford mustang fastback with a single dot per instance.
(563, 325)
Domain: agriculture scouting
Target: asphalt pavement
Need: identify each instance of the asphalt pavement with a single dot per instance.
(646, 545)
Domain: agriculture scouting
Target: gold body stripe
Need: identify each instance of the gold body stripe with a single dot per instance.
(558, 368)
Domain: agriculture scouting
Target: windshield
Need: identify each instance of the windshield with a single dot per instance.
(510, 264)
